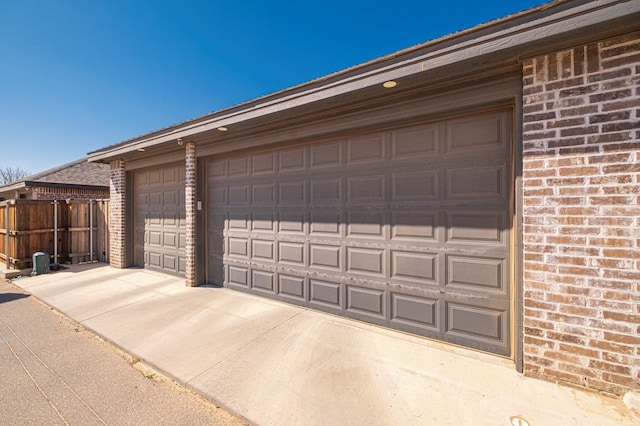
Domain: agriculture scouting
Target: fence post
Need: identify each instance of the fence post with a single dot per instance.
(55, 231)
(91, 231)
(6, 236)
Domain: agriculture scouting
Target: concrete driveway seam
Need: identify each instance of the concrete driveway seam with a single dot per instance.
(240, 349)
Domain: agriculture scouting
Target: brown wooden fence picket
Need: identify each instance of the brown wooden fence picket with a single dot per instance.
(31, 228)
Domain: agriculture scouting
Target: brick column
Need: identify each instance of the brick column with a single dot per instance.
(581, 239)
(190, 213)
(117, 208)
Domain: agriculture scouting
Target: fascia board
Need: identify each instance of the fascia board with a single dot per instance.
(13, 186)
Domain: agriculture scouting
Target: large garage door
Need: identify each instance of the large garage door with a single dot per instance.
(160, 218)
(408, 228)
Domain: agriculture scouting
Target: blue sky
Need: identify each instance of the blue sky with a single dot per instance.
(76, 76)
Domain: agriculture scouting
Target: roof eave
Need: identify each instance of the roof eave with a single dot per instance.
(41, 184)
(13, 186)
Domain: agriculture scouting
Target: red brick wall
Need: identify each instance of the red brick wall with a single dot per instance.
(66, 193)
(581, 186)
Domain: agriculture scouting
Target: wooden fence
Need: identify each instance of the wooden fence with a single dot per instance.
(70, 231)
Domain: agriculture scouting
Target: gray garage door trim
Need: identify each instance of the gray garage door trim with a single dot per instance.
(408, 228)
(159, 218)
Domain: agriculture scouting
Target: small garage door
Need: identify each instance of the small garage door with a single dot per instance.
(407, 228)
(160, 218)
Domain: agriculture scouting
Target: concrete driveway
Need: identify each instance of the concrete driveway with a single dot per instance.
(275, 364)
(56, 373)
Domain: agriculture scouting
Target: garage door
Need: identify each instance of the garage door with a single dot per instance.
(160, 219)
(407, 228)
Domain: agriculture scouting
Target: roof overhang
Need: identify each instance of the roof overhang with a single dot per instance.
(13, 186)
(549, 27)
(38, 184)
(28, 184)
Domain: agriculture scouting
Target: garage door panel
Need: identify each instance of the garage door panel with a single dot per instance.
(478, 322)
(292, 222)
(154, 177)
(263, 194)
(365, 261)
(237, 275)
(325, 257)
(326, 223)
(414, 142)
(263, 250)
(366, 301)
(366, 149)
(155, 199)
(238, 220)
(154, 259)
(326, 191)
(263, 221)
(238, 247)
(408, 228)
(413, 311)
(293, 193)
(325, 293)
(141, 199)
(170, 240)
(292, 160)
(292, 287)
(292, 253)
(169, 219)
(218, 196)
(326, 155)
(366, 188)
(471, 182)
(238, 166)
(476, 227)
(217, 168)
(170, 262)
(415, 267)
(365, 224)
(238, 195)
(263, 163)
(477, 133)
(171, 175)
(154, 238)
(477, 273)
(159, 235)
(414, 225)
(418, 185)
(263, 281)
(485, 327)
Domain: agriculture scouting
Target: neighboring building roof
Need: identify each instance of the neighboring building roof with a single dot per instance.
(77, 174)
(503, 41)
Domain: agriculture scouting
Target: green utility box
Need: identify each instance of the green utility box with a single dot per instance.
(40, 263)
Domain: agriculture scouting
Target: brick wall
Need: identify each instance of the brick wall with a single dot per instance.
(68, 193)
(117, 227)
(190, 214)
(581, 184)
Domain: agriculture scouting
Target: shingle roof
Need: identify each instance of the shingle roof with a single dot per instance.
(76, 173)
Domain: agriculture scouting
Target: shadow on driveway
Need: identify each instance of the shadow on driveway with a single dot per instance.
(10, 297)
